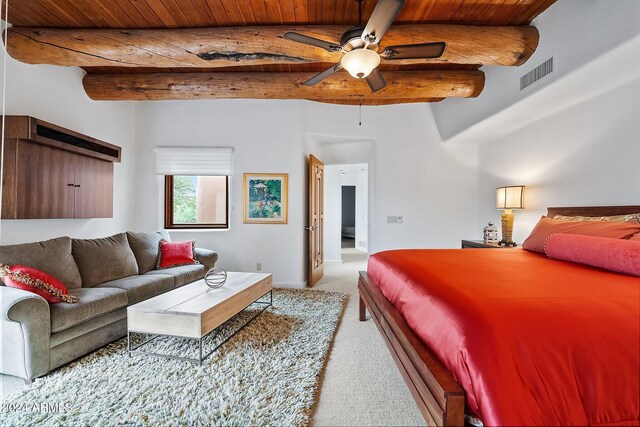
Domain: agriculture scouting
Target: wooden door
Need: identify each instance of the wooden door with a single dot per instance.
(316, 220)
(93, 188)
(45, 182)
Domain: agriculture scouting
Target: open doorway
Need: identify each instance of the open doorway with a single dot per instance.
(348, 229)
(346, 210)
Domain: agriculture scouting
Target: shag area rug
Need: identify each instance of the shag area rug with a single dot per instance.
(267, 374)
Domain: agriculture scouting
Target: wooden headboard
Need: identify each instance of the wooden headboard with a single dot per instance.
(593, 211)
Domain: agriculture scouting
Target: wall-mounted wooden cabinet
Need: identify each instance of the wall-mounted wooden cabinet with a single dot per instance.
(52, 172)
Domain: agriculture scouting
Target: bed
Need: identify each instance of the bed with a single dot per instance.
(450, 371)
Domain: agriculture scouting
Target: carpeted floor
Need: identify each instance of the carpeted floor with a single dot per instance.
(361, 385)
(265, 375)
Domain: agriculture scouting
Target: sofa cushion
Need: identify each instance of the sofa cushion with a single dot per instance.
(140, 288)
(105, 259)
(183, 274)
(51, 256)
(91, 303)
(83, 329)
(145, 248)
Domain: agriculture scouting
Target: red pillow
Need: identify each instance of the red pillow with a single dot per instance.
(174, 254)
(547, 226)
(621, 256)
(36, 281)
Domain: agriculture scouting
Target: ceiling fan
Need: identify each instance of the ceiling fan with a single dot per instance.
(360, 46)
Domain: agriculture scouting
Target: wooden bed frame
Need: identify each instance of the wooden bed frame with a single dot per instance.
(439, 397)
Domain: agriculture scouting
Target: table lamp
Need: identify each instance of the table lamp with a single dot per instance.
(509, 198)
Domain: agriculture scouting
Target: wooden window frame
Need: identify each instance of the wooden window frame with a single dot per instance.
(168, 209)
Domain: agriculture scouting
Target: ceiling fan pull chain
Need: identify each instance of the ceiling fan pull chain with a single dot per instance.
(360, 116)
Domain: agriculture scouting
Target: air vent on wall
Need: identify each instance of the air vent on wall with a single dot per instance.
(536, 74)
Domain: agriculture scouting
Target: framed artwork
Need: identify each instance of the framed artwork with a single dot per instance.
(265, 198)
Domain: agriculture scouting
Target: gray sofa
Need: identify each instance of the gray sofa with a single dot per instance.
(106, 274)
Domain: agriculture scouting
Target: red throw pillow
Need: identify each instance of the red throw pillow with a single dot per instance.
(174, 254)
(547, 226)
(36, 281)
(621, 256)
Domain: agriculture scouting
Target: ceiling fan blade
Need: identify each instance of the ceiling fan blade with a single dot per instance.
(376, 80)
(381, 19)
(323, 75)
(414, 51)
(300, 38)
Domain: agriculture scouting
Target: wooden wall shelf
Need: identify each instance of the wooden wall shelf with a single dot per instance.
(53, 172)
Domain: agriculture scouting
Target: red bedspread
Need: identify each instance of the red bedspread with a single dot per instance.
(532, 341)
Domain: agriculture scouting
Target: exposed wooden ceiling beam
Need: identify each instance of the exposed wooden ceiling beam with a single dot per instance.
(406, 85)
(225, 46)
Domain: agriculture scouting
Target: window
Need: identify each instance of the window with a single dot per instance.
(196, 201)
(196, 185)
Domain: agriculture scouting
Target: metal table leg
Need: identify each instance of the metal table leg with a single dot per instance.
(200, 358)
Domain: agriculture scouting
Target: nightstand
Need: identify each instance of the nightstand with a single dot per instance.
(481, 244)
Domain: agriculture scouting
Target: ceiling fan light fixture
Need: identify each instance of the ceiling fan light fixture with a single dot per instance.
(360, 62)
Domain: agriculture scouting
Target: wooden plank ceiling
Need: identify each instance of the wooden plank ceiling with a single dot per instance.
(164, 14)
(219, 13)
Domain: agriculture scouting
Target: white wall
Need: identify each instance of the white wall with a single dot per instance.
(362, 212)
(582, 156)
(55, 94)
(574, 32)
(357, 175)
(411, 173)
(334, 178)
(332, 214)
(574, 140)
(267, 138)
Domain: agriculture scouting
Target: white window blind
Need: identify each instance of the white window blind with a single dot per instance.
(194, 161)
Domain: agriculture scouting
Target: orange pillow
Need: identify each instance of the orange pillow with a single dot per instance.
(547, 226)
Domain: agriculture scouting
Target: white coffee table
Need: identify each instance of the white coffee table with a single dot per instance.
(194, 311)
